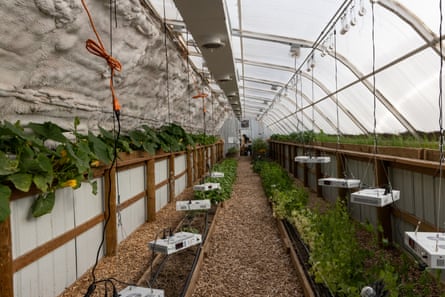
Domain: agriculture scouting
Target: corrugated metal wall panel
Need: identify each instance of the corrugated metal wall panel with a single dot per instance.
(161, 169)
(180, 184)
(161, 197)
(180, 164)
(130, 183)
(87, 245)
(130, 219)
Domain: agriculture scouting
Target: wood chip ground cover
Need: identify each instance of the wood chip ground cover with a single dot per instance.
(246, 256)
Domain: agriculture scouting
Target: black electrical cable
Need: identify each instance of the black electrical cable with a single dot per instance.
(373, 78)
(440, 99)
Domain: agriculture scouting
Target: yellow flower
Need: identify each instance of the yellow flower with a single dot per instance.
(95, 163)
(63, 153)
(70, 183)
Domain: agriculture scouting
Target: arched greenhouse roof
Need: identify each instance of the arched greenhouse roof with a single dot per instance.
(302, 65)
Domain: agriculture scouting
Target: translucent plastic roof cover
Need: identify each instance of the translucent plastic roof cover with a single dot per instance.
(274, 41)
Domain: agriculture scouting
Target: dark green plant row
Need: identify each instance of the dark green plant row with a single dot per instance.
(427, 140)
(337, 259)
(48, 157)
(228, 167)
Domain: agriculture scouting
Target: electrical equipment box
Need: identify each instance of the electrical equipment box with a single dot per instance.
(207, 187)
(175, 243)
(216, 174)
(378, 197)
(428, 246)
(339, 182)
(312, 160)
(193, 204)
(132, 291)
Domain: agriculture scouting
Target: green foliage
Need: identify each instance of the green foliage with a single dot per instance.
(228, 167)
(287, 201)
(204, 139)
(273, 177)
(336, 258)
(308, 137)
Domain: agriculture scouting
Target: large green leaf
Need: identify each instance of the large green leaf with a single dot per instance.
(8, 166)
(48, 130)
(5, 193)
(21, 181)
(100, 149)
(45, 163)
(43, 204)
(81, 158)
(43, 182)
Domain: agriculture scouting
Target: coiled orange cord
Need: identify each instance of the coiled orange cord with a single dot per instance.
(99, 50)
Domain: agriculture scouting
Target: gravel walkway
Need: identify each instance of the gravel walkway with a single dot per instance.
(246, 255)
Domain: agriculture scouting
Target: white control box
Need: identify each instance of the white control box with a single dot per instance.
(378, 197)
(175, 243)
(193, 204)
(429, 246)
(133, 291)
(216, 174)
(312, 160)
(207, 187)
(339, 182)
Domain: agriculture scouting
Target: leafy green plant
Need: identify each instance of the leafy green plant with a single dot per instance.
(41, 155)
(228, 167)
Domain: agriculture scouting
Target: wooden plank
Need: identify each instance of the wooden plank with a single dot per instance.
(307, 289)
(151, 190)
(189, 169)
(413, 220)
(131, 201)
(53, 244)
(110, 213)
(6, 263)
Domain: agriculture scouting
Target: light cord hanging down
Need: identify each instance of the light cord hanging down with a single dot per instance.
(313, 105)
(166, 67)
(441, 137)
(98, 49)
(336, 89)
(374, 131)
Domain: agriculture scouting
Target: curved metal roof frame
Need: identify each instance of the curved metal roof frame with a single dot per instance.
(312, 44)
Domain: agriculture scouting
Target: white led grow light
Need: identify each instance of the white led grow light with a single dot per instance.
(375, 197)
(175, 243)
(429, 246)
(207, 187)
(193, 204)
(333, 182)
(312, 160)
(132, 291)
(216, 174)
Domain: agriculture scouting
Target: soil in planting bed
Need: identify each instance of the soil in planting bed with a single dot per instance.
(172, 272)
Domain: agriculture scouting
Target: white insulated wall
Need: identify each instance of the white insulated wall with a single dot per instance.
(52, 273)
(130, 183)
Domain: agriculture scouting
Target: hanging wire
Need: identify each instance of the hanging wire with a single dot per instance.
(166, 65)
(301, 101)
(188, 75)
(313, 106)
(336, 88)
(374, 80)
(441, 137)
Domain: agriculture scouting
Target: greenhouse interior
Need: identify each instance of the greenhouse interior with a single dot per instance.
(222, 148)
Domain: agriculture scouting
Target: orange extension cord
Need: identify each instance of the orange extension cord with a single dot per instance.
(100, 51)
